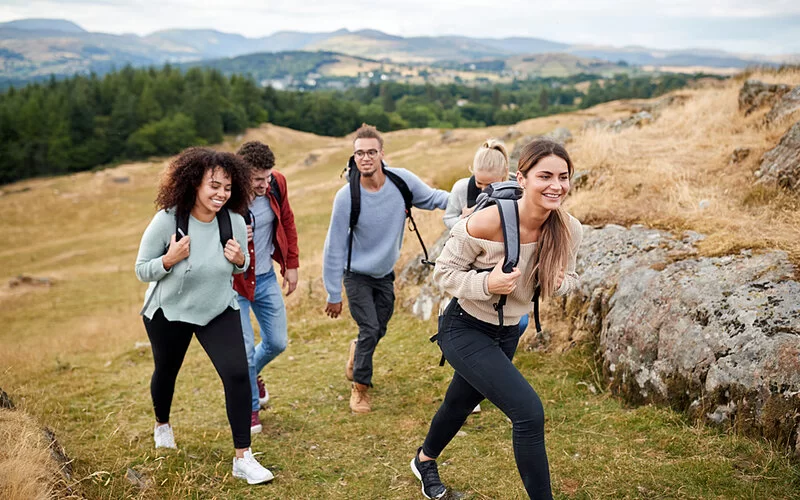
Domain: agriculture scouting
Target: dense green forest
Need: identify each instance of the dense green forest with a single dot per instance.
(79, 123)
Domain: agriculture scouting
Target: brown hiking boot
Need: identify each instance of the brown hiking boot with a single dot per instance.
(359, 398)
(351, 361)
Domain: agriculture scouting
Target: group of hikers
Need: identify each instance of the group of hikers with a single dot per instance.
(224, 218)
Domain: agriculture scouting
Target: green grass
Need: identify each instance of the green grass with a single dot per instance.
(69, 358)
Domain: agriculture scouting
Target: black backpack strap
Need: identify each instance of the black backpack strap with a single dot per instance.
(276, 192)
(472, 192)
(355, 205)
(181, 224)
(535, 301)
(509, 220)
(225, 226)
(408, 198)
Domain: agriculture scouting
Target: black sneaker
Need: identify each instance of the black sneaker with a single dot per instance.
(428, 473)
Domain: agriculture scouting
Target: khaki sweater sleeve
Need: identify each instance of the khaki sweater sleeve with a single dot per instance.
(454, 273)
(571, 278)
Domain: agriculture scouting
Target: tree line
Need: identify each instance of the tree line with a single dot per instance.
(76, 124)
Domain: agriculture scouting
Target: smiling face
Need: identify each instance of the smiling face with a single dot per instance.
(213, 192)
(261, 178)
(368, 154)
(546, 184)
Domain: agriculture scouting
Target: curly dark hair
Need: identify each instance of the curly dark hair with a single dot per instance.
(257, 155)
(185, 173)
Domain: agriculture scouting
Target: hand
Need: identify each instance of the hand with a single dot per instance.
(290, 281)
(249, 234)
(500, 283)
(177, 251)
(560, 279)
(233, 252)
(333, 310)
(466, 211)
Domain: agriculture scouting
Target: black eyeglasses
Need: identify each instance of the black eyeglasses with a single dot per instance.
(372, 153)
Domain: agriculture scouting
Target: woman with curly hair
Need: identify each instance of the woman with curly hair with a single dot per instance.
(191, 289)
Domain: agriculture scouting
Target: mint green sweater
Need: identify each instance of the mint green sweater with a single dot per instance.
(198, 288)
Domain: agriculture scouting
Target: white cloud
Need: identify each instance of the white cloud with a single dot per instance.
(766, 26)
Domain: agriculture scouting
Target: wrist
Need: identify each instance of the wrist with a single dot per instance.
(167, 263)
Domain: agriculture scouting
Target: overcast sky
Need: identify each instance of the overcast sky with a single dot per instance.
(764, 26)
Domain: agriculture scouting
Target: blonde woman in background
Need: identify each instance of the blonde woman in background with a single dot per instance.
(489, 165)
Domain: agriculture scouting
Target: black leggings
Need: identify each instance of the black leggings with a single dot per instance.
(223, 342)
(481, 354)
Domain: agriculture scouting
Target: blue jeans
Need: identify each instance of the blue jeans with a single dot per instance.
(523, 324)
(271, 316)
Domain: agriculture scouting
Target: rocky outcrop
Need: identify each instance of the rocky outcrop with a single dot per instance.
(718, 338)
(780, 166)
(636, 120)
(755, 94)
(739, 155)
(787, 105)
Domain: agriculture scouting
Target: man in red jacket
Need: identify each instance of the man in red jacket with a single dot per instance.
(271, 235)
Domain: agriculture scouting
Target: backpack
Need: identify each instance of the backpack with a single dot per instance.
(223, 220)
(354, 178)
(505, 195)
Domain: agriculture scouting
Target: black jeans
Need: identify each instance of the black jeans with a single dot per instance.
(371, 302)
(481, 354)
(223, 342)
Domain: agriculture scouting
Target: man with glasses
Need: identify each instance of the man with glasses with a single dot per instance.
(271, 235)
(365, 263)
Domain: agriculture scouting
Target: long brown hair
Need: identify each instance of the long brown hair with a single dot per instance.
(555, 240)
(185, 173)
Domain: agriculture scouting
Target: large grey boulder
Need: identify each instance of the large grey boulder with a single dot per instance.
(755, 94)
(718, 338)
(788, 104)
(780, 166)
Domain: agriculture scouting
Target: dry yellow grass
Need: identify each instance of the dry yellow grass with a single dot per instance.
(69, 359)
(27, 469)
(658, 175)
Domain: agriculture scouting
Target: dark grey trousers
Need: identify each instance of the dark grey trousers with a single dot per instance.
(371, 302)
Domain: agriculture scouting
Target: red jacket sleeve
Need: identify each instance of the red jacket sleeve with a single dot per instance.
(287, 220)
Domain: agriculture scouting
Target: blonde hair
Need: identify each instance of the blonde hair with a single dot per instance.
(491, 157)
(555, 241)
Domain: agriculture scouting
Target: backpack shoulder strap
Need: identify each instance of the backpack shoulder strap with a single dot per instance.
(225, 226)
(355, 205)
(408, 198)
(472, 192)
(398, 181)
(276, 192)
(509, 219)
(181, 225)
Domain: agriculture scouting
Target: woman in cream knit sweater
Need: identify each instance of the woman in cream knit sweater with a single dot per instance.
(470, 335)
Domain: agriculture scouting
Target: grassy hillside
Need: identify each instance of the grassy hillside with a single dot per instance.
(70, 359)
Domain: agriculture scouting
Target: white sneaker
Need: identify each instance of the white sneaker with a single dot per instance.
(477, 408)
(248, 468)
(162, 435)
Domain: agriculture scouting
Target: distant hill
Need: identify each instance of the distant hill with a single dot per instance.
(44, 25)
(35, 48)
